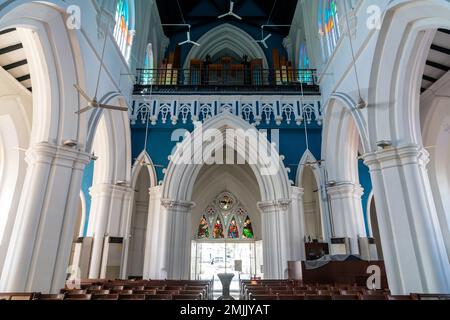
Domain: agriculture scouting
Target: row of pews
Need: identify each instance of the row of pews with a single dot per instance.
(126, 290)
(296, 290)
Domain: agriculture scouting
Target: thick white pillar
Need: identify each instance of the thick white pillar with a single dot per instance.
(274, 218)
(413, 246)
(296, 223)
(154, 244)
(178, 239)
(347, 213)
(110, 205)
(41, 240)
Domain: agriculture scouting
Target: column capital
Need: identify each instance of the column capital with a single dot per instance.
(397, 156)
(274, 205)
(297, 192)
(109, 189)
(345, 190)
(155, 190)
(177, 204)
(46, 153)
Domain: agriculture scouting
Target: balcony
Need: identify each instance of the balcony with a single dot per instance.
(240, 81)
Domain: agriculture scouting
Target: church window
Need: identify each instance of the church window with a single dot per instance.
(148, 66)
(124, 29)
(225, 218)
(233, 230)
(218, 232)
(203, 229)
(328, 24)
(248, 229)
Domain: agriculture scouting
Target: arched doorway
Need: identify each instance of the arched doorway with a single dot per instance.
(226, 224)
(272, 185)
(311, 207)
(138, 227)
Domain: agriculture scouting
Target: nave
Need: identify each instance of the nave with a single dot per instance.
(296, 148)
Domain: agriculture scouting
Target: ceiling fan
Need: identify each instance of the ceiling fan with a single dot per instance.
(189, 41)
(230, 13)
(263, 41)
(93, 102)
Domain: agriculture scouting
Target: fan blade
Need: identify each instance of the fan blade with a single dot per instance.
(265, 44)
(195, 43)
(84, 109)
(81, 91)
(231, 6)
(236, 16)
(268, 37)
(223, 16)
(110, 107)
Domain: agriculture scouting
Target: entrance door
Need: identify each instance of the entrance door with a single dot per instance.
(211, 258)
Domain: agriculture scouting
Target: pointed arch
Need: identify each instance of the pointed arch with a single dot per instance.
(226, 36)
(144, 158)
(307, 158)
(180, 178)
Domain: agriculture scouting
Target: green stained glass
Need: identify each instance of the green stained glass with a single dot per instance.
(248, 229)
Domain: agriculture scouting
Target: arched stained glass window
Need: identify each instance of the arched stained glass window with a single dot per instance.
(248, 229)
(148, 66)
(124, 30)
(203, 229)
(305, 75)
(225, 218)
(328, 24)
(218, 232)
(233, 230)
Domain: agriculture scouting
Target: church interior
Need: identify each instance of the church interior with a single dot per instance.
(224, 149)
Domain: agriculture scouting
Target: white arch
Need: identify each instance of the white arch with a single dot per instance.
(180, 179)
(402, 50)
(137, 167)
(226, 36)
(341, 139)
(55, 65)
(306, 159)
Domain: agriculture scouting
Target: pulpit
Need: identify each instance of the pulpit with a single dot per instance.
(226, 279)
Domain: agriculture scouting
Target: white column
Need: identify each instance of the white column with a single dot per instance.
(110, 205)
(275, 238)
(296, 222)
(41, 240)
(347, 213)
(154, 245)
(178, 248)
(413, 246)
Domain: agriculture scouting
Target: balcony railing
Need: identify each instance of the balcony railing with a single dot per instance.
(172, 81)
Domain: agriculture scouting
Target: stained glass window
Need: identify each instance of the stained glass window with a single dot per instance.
(226, 202)
(149, 66)
(233, 230)
(223, 218)
(328, 24)
(305, 75)
(124, 31)
(218, 229)
(248, 229)
(203, 229)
